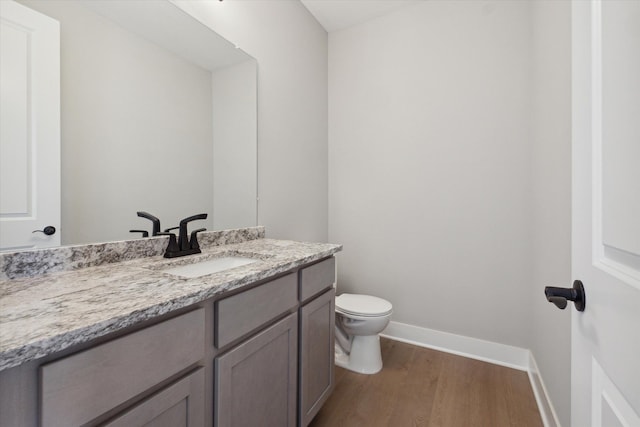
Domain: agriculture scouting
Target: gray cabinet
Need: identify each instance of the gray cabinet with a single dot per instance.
(256, 381)
(317, 320)
(179, 405)
(259, 357)
(283, 375)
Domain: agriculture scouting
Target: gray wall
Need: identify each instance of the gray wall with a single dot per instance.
(235, 163)
(291, 50)
(551, 196)
(429, 164)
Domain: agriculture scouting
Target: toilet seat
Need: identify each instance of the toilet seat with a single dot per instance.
(362, 305)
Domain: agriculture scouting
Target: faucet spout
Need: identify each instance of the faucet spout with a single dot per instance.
(183, 236)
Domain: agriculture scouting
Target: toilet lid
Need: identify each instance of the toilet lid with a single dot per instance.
(362, 305)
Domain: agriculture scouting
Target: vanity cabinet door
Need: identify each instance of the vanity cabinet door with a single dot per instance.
(178, 405)
(257, 382)
(317, 320)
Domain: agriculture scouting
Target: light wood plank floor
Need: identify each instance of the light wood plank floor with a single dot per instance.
(424, 387)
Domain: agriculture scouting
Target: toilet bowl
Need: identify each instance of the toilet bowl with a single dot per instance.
(359, 320)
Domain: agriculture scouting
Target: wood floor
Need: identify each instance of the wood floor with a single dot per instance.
(423, 387)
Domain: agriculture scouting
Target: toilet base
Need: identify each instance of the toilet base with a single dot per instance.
(365, 356)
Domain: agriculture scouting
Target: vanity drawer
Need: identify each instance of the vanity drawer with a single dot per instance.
(81, 387)
(317, 278)
(246, 311)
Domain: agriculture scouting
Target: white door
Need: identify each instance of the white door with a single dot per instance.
(605, 370)
(29, 128)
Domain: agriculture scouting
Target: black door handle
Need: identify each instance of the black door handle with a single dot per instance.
(560, 296)
(48, 230)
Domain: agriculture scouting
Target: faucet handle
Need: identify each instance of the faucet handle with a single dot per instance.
(153, 219)
(145, 233)
(193, 241)
(172, 228)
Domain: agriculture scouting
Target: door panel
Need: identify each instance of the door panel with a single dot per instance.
(609, 407)
(606, 212)
(15, 151)
(29, 127)
(178, 405)
(620, 40)
(256, 381)
(317, 379)
(618, 43)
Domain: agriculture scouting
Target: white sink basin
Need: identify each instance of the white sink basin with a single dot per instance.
(211, 266)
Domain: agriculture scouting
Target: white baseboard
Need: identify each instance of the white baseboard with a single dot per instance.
(547, 412)
(473, 348)
(486, 351)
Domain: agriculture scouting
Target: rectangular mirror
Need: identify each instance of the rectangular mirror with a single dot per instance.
(158, 114)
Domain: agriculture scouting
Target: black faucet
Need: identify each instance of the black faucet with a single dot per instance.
(184, 245)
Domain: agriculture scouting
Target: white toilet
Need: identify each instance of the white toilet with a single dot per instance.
(359, 320)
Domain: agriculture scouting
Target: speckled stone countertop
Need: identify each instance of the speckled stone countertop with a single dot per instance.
(47, 313)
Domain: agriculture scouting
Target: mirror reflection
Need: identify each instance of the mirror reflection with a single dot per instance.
(158, 114)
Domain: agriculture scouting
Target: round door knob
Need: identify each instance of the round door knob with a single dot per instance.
(48, 230)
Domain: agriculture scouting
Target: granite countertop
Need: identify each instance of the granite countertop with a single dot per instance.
(44, 314)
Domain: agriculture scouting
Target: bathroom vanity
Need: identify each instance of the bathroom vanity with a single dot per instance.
(126, 343)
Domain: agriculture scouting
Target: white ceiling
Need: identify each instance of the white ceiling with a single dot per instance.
(336, 15)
